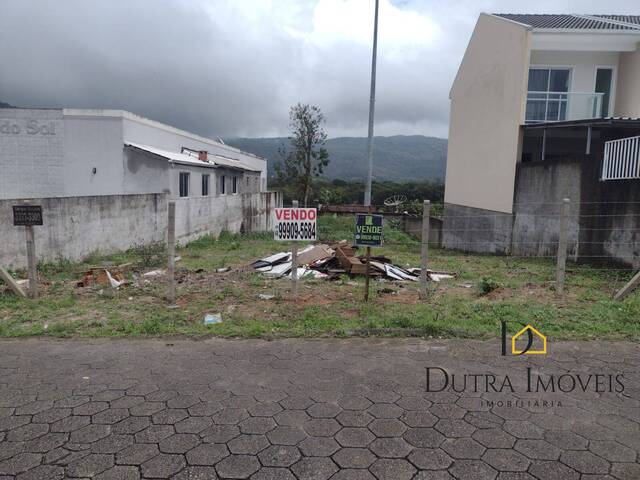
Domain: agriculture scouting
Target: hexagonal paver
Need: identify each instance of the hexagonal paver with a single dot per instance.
(321, 427)
(110, 416)
(613, 451)
(119, 473)
(90, 408)
(43, 472)
(20, 462)
(52, 415)
(419, 419)
(424, 437)
(354, 402)
(447, 410)
(273, 473)
(537, 449)
(314, 468)
(523, 429)
(390, 447)
(193, 425)
(318, 446)
(566, 440)
(387, 427)
(463, 448)
(220, 433)
(414, 403)
(296, 403)
(584, 462)
(197, 473)
(494, 438)
(354, 458)
(131, 425)
(169, 416)
(506, 460)
(248, 444)
(266, 409)
(279, 456)
(112, 444)
(323, 410)
(182, 401)
(549, 470)
(163, 466)
(392, 469)
(286, 435)
(27, 432)
(67, 424)
(90, 465)
(430, 459)
(238, 466)
(292, 418)
(207, 454)
(385, 410)
(178, 443)
(454, 428)
(354, 418)
(46, 442)
(154, 434)
(146, 409)
(475, 469)
(257, 425)
(354, 437)
(204, 409)
(137, 454)
(90, 433)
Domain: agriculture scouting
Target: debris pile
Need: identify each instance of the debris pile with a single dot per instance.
(332, 260)
(113, 276)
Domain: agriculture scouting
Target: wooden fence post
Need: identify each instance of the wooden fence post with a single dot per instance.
(294, 260)
(562, 246)
(171, 251)
(424, 249)
(31, 262)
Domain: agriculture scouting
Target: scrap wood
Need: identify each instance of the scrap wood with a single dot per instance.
(316, 253)
(13, 284)
(628, 288)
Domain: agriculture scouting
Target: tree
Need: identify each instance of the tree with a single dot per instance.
(306, 158)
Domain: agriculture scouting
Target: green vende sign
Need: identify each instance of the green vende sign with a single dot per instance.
(368, 230)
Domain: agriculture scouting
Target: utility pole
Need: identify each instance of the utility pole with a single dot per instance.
(372, 101)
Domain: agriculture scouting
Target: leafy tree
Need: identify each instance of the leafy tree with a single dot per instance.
(307, 157)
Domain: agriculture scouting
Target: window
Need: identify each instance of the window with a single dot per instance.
(235, 184)
(548, 94)
(184, 184)
(604, 80)
(205, 185)
(223, 189)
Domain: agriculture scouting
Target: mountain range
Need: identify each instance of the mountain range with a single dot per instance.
(397, 158)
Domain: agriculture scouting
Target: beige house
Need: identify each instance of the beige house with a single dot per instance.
(543, 108)
(521, 70)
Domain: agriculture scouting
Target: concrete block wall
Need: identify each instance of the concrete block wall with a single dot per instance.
(76, 227)
(253, 212)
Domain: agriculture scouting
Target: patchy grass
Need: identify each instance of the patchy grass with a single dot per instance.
(486, 290)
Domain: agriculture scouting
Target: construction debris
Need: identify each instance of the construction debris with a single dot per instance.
(211, 319)
(329, 261)
(114, 276)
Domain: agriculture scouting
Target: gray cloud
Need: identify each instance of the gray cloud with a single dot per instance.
(224, 68)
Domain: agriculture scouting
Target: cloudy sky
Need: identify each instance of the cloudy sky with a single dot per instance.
(233, 67)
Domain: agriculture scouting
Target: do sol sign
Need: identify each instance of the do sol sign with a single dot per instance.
(368, 230)
(295, 224)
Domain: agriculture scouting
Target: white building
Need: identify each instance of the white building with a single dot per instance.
(69, 153)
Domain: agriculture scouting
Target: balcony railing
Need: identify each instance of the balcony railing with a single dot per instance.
(621, 159)
(559, 106)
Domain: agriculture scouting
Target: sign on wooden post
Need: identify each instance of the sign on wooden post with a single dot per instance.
(368, 233)
(295, 225)
(27, 216)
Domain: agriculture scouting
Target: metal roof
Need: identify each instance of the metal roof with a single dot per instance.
(594, 122)
(575, 22)
(213, 161)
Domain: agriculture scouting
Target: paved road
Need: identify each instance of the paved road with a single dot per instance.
(310, 409)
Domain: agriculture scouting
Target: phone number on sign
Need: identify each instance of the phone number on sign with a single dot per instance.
(296, 231)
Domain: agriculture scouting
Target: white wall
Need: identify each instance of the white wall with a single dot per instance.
(628, 98)
(31, 152)
(487, 108)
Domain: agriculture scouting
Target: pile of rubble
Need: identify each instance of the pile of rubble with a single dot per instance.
(332, 260)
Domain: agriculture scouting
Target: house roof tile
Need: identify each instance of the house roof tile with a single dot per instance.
(575, 22)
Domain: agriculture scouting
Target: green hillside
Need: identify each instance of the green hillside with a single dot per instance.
(397, 158)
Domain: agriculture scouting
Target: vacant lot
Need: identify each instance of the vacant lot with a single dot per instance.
(486, 289)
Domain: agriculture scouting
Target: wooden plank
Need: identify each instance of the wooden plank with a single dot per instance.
(628, 288)
(13, 285)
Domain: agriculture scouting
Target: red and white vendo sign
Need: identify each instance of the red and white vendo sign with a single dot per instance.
(295, 224)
